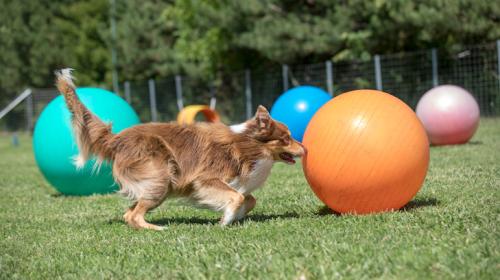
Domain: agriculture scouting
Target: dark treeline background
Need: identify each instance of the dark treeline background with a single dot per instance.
(211, 39)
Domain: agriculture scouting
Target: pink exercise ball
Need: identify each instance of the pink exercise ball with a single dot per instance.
(449, 114)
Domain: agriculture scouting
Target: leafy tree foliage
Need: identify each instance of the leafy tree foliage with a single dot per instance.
(144, 40)
(218, 33)
(29, 45)
(83, 30)
(210, 39)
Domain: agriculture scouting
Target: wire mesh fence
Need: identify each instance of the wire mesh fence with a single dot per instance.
(236, 96)
(476, 70)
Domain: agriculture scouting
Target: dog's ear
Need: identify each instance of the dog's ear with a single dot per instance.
(262, 117)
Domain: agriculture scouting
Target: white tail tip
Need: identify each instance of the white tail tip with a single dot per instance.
(79, 161)
(65, 74)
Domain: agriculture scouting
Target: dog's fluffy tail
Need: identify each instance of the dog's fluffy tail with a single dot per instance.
(93, 136)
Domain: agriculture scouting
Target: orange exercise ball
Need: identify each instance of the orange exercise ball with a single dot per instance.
(367, 152)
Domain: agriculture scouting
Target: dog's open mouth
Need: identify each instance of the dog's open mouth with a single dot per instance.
(287, 158)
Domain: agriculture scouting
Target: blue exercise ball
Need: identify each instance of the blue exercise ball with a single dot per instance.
(296, 107)
(54, 145)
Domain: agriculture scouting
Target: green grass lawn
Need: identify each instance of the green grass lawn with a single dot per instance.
(449, 230)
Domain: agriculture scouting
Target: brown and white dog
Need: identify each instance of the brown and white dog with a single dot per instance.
(209, 164)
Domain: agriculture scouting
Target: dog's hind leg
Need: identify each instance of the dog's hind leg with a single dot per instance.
(248, 205)
(149, 193)
(147, 189)
(146, 176)
(136, 217)
(218, 196)
(129, 211)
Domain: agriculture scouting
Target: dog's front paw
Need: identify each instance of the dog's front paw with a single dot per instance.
(225, 221)
(155, 227)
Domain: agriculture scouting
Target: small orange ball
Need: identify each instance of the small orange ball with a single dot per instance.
(367, 152)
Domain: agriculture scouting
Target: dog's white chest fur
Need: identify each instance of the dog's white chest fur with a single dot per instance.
(257, 177)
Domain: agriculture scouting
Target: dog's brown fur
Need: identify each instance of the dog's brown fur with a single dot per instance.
(209, 164)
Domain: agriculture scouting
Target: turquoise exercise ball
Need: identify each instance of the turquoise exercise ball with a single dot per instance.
(54, 144)
(297, 106)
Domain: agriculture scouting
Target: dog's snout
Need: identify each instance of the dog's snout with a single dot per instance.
(303, 149)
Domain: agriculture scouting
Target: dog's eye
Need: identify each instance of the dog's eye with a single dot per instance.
(285, 141)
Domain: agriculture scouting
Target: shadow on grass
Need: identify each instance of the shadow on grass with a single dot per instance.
(166, 221)
(470, 143)
(211, 221)
(410, 206)
(63, 195)
(325, 211)
(266, 217)
(420, 203)
(185, 220)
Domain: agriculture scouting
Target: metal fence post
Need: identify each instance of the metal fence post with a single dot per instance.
(20, 98)
(329, 77)
(178, 92)
(378, 73)
(152, 100)
(498, 61)
(284, 73)
(248, 94)
(435, 77)
(213, 99)
(126, 89)
(29, 112)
